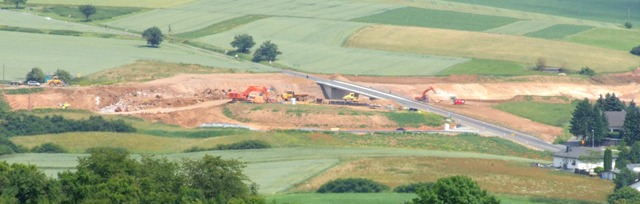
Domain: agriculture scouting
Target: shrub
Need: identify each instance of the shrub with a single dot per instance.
(247, 144)
(48, 148)
(66, 32)
(628, 25)
(635, 51)
(412, 187)
(587, 71)
(352, 185)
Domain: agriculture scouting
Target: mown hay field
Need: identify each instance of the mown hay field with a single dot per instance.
(521, 27)
(558, 32)
(121, 3)
(315, 46)
(200, 14)
(411, 16)
(20, 52)
(491, 46)
(495, 176)
(26, 20)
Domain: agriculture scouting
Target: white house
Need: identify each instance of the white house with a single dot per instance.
(570, 159)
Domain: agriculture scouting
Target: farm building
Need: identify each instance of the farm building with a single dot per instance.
(572, 159)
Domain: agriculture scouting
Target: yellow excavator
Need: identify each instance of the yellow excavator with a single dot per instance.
(351, 97)
(55, 82)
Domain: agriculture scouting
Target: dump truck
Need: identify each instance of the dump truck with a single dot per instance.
(287, 96)
(351, 97)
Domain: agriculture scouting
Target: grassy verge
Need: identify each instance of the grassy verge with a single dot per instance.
(63, 32)
(411, 16)
(221, 26)
(496, 176)
(488, 67)
(415, 119)
(72, 13)
(142, 71)
(557, 115)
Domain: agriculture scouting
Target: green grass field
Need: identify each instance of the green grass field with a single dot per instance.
(201, 14)
(26, 20)
(122, 3)
(411, 16)
(521, 27)
(557, 115)
(221, 26)
(83, 56)
(72, 13)
(558, 32)
(315, 46)
(616, 39)
(488, 67)
(614, 11)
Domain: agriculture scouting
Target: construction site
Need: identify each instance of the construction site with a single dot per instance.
(191, 100)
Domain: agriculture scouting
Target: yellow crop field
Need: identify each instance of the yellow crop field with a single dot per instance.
(491, 46)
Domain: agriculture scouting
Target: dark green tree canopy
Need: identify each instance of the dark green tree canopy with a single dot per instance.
(635, 51)
(243, 43)
(631, 124)
(87, 10)
(608, 160)
(624, 178)
(25, 184)
(625, 195)
(16, 2)
(36, 74)
(63, 75)
(266, 51)
(610, 103)
(153, 35)
(455, 189)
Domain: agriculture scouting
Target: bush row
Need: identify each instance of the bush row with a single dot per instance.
(247, 144)
(16, 124)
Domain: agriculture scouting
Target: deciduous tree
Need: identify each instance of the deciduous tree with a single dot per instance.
(624, 178)
(153, 35)
(455, 189)
(63, 75)
(243, 42)
(16, 2)
(266, 51)
(624, 195)
(36, 74)
(87, 10)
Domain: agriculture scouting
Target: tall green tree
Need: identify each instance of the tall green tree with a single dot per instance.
(87, 10)
(153, 35)
(266, 51)
(455, 189)
(623, 156)
(36, 74)
(600, 125)
(63, 75)
(608, 160)
(631, 124)
(624, 195)
(16, 2)
(613, 103)
(21, 183)
(243, 42)
(624, 178)
(582, 120)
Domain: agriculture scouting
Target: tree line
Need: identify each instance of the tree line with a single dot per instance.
(20, 123)
(111, 176)
(589, 121)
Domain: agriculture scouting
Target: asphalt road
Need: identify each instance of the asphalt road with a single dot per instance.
(482, 126)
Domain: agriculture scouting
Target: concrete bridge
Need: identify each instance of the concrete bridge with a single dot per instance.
(336, 91)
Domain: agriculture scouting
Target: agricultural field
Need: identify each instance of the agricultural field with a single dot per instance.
(491, 46)
(201, 14)
(521, 27)
(554, 114)
(496, 176)
(616, 39)
(121, 3)
(488, 67)
(608, 11)
(315, 46)
(82, 56)
(411, 16)
(558, 32)
(28, 20)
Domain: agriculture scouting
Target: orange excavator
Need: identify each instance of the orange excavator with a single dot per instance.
(424, 96)
(245, 96)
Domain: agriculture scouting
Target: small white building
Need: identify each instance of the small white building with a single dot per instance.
(570, 159)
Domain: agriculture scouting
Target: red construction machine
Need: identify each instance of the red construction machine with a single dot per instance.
(246, 95)
(424, 96)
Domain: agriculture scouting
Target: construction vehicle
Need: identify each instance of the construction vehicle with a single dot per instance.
(55, 82)
(351, 97)
(245, 96)
(65, 105)
(424, 96)
(291, 94)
